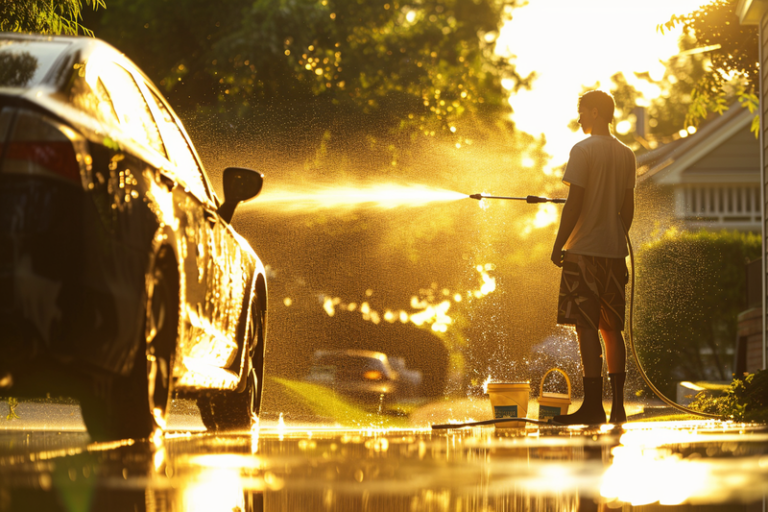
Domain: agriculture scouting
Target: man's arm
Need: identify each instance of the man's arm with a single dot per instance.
(568, 219)
(627, 211)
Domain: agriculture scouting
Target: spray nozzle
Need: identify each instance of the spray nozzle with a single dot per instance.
(527, 199)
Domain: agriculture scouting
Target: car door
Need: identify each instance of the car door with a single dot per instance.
(115, 248)
(217, 269)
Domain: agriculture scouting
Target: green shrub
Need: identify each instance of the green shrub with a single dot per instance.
(744, 400)
(690, 290)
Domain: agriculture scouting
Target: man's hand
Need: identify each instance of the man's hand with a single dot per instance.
(568, 219)
(557, 256)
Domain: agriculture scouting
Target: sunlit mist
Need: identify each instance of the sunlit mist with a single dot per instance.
(306, 199)
(485, 384)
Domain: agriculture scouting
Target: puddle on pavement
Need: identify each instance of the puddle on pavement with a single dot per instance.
(645, 467)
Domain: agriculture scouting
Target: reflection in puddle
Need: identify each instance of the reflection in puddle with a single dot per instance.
(310, 468)
(686, 465)
(213, 489)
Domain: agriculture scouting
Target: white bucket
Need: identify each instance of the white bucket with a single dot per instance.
(553, 404)
(509, 400)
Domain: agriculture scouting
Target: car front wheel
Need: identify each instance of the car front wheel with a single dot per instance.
(232, 410)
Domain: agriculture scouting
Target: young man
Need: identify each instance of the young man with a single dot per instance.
(591, 249)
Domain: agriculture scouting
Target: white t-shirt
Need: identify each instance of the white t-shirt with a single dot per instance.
(605, 168)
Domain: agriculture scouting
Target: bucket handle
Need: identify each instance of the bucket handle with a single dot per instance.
(567, 381)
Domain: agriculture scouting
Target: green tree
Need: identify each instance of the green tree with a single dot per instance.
(666, 113)
(402, 64)
(732, 49)
(45, 16)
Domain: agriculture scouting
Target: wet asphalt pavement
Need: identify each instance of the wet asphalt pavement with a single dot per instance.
(700, 465)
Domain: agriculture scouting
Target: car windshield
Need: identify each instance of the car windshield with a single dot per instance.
(25, 63)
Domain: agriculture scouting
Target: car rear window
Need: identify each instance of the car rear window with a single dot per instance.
(25, 63)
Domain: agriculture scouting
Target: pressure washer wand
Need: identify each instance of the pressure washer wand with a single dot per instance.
(527, 199)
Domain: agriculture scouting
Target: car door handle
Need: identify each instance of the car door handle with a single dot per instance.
(168, 182)
(211, 217)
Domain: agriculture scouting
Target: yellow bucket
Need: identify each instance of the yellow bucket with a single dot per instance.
(553, 404)
(509, 400)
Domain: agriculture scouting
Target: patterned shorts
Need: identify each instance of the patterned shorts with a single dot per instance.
(592, 292)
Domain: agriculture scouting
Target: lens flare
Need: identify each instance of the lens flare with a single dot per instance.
(434, 314)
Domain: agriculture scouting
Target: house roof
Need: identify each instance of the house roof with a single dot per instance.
(666, 164)
(750, 11)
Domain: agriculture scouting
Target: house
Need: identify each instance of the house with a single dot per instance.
(714, 174)
(713, 177)
(755, 12)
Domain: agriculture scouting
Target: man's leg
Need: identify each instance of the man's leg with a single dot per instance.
(615, 350)
(579, 305)
(591, 410)
(616, 355)
(591, 351)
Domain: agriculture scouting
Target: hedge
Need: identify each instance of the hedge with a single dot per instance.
(690, 289)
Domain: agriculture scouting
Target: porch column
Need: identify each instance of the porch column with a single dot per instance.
(755, 12)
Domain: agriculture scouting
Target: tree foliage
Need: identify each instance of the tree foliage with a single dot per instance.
(402, 63)
(45, 16)
(690, 289)
(667, 112)
(732, 49)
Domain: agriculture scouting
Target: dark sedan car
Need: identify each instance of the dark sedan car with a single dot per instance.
(362, 374)
(122, 282)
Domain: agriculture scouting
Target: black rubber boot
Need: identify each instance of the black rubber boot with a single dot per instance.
(618, 415)
(591, 411)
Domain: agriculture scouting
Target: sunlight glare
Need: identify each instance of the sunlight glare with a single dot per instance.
(576, 50)
(218, 489)
(644, 472)
(485, 384)
(624, 127)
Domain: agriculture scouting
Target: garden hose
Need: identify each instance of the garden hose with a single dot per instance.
(648, 382)
(493, 422)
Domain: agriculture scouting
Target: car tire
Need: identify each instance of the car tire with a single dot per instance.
(232, 410)
(133, 406)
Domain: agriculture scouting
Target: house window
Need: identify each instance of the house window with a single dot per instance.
(722, 203)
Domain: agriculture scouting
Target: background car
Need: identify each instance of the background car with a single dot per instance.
(122, 281)
(362, 374)
(410, 380)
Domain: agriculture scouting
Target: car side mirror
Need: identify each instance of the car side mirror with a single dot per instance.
(240, 184)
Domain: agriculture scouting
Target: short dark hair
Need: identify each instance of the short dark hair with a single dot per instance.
(600, 100)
